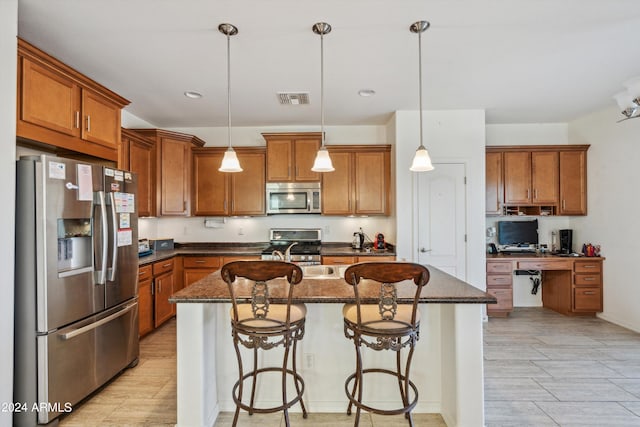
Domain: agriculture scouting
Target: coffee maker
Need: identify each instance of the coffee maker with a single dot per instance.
(566, 241)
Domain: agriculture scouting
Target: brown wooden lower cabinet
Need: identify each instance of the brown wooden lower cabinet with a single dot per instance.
(156, 283)
(145, 300)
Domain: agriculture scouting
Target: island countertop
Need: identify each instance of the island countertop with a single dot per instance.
(441, 289)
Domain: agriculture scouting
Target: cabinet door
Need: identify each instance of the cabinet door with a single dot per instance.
(211, 188)
(494, 193)
(573, 183)
(248, 186)
(517, 177)
(305, 153)
(142, 161)
(337, 186)
(279, 160)
(192, 275)
(174, 175)
(49, 99)
(145, 307)
(544, 177)
(372, 175)
(164, 310)
(100, 120)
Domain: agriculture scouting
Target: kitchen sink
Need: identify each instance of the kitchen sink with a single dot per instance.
(323, 271)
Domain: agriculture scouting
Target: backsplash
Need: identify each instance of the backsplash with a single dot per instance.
(256, 229)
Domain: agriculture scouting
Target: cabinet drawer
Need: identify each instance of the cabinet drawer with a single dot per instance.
(162, 267)
(144, 272)
(545, 265)
(201, 261)
(587, 266)
(587, 279)
(587, 299)
(335, 260)
(498, 279)
(499, 267)
(504, 297)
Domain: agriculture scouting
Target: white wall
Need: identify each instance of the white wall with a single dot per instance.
(450, 136)
(8, 56)
(613, 202)
(530, 134)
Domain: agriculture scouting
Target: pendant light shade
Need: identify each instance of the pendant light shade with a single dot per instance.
(230, 161)
(322, 163)
(421, 160)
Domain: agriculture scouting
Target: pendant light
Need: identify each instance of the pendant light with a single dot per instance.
(421, 160)
(322, 162)
(230, 161)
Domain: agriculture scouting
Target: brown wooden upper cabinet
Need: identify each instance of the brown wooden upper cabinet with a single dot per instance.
(220, 193)
(536, 180)
(290, 156)
(58, 106)
(138, 154)
(173, 170)
(360, 184)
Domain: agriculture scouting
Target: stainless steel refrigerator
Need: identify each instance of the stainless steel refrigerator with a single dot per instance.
(76, 283)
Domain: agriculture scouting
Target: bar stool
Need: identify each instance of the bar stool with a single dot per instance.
(384, 325)
(262, 325)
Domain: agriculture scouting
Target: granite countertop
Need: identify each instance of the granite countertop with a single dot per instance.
(442, 288)
(237, 249)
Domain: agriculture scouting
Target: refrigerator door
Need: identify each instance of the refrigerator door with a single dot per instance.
(122, 223)
(101, 345)
(58, 200)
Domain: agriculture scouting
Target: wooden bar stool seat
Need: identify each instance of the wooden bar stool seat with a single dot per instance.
(263, 325)
(385, 325)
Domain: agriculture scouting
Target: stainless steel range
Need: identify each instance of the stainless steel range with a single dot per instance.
(298, 245)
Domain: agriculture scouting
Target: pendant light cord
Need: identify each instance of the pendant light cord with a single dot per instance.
(322, 88)
(420, 82)
(229, 91)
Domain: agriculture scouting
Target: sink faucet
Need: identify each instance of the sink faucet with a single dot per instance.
(278, 254)
(287, 253)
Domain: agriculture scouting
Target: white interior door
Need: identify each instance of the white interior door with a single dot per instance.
(441, 218)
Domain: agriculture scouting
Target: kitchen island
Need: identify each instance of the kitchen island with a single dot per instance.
(447, 366)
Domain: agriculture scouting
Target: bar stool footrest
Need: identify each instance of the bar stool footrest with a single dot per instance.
(297, 377)
(357, 404)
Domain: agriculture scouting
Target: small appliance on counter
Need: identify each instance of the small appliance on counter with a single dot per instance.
(566, 241)
(143, 248)
(358, 240)
(379, 242)
(162, 244)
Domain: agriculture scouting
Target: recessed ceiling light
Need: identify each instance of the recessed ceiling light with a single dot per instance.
(366, 92)
(192, 94)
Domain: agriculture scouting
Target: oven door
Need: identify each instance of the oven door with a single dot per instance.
(291, 199)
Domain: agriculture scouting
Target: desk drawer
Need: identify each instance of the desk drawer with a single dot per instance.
(504, 297)
(587, 299)
(162, 267)
(587, 266)
(201, 261)
(144, 272)
(546, 265)
(499, 267)
(587, 279)
(498, 279)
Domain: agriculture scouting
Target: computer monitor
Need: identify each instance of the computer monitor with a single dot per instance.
(518, 232)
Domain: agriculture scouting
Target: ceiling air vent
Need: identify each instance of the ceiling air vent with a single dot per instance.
(293, 98)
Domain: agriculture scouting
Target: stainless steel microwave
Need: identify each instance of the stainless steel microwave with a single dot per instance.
(293, 198)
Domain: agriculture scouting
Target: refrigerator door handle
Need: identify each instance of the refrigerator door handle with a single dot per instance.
(102, 274)
(114, 229)
(94, 325)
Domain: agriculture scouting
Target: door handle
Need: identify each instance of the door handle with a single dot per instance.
(114, 229)
(423, 250)
(100, 322)
(101, 275)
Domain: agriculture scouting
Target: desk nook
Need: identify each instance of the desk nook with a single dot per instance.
(570, 285)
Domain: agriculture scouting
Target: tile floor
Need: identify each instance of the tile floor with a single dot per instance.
(545, 369)
(541, 369)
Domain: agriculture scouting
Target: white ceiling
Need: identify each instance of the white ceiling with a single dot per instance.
(523, 61)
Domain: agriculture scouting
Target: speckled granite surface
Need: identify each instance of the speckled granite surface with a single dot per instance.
(442, 288)
(236, 249)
